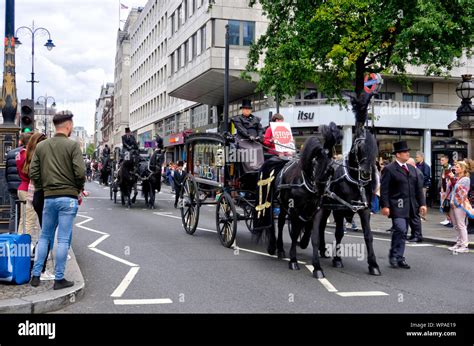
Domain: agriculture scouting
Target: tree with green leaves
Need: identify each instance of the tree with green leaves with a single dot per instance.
(90, 150)
(333, 44)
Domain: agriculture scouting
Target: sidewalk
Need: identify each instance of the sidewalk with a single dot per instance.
(25, 299)
(432, 230)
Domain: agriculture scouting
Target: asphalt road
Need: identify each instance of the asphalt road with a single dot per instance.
(142, 261)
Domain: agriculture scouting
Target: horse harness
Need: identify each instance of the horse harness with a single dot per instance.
(361, 183)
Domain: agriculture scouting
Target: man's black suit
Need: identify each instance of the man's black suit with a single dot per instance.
(403, 194)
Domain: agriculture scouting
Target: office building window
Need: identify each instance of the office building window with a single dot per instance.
(249, 33)
(384, 96)
(186, 52)
(178, 63)
(180, 16)
(194, 42)
(185, 10)
(173, 23)
(199, 116)
(241, 33)
(234, 32)
(203, 39)
(416, 98)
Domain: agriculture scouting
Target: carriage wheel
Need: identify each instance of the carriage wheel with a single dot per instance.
(226, 220)
(190, 205)
(249, 214)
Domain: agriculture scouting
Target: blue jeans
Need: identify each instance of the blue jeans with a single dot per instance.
(61, 212)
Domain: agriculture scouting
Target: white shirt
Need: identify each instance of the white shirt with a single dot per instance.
(402, 165)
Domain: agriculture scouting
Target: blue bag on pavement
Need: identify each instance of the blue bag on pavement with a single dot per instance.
(15, 261)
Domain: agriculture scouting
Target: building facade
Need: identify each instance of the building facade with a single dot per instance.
(80, 135)
(177, 66)
(121, 113)
(102, 103)
(44, 119)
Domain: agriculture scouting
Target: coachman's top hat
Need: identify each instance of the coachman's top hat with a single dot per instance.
(399, 147)
(246, 104)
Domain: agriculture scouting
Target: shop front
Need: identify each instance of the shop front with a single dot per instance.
(174, 147)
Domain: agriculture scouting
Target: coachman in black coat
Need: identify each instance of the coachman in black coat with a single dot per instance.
(401, 196)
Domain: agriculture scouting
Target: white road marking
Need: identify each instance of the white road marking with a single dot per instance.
(120, 290)
(106, 188)
(171, 216)
(115, 258)
(325, 282)
(98, 241)
(87, 228)
(127, 280)
(142, 301)
(362, 294)
(419, 245)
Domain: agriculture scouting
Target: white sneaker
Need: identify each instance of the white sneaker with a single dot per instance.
(463, 249)
(47, 276)
(444, 222)
(452, 248)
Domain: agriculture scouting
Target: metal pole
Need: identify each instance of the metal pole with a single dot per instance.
(278, 102)
(33, 65)
(226, 82)
(46, 117)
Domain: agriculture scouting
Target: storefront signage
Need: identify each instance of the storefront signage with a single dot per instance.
(305, 116)
(175, 139)
(412, 132)
(388, 131)
(441, 133)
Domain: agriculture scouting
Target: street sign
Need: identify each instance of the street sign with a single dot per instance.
(283, 137)
(372, 83)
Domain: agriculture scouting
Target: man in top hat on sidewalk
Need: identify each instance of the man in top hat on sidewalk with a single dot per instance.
(249, 135)
(401, 197)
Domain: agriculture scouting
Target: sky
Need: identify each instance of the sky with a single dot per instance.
(85, 33)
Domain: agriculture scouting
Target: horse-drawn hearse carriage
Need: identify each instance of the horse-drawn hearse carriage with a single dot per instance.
(305, 189)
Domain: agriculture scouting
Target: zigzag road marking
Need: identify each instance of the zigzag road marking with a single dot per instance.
(127, 280)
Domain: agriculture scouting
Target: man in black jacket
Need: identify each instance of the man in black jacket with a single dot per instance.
(249, 135)
(247, 125)
(12, 178)
(178, 178)
(401, 196)
(425, 169)
(128, 141)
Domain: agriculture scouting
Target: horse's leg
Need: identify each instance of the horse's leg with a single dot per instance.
(152, 195)
(339, 234)
(145, 192)
(321, 229)
(296, 227)
(368, 237)
(281, 224)
(315, 238)
(135, 190)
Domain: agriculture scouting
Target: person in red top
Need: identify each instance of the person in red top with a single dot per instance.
(23, 160)
(268, 141)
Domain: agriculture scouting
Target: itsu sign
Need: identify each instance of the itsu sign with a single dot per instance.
(283, 137)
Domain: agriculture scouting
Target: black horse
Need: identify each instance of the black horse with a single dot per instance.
(106, 170)
(300, 185)
(150, 173)
(127, 178)
(349, 191)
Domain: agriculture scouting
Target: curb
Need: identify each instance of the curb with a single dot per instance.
(51, 300)
(435, 240)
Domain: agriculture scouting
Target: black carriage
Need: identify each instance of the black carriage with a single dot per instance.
(213, 180)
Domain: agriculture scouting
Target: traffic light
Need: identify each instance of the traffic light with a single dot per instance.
(27, 119)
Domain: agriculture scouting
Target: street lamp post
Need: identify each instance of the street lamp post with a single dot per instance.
(49, 45)
(45, 100)
(463, 126)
